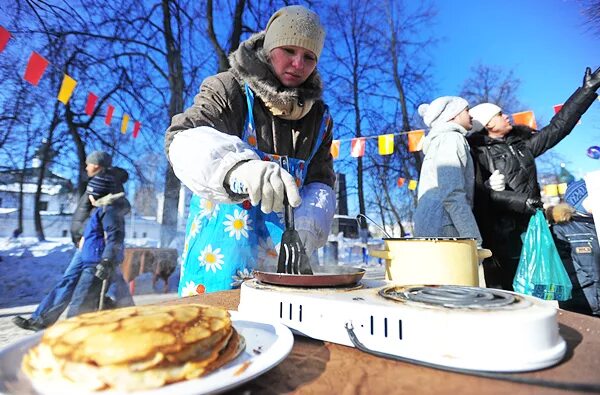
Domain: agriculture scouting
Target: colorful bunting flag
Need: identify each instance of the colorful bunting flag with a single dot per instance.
(551, 190)
(525, 118)
(109, 114)
(415, 140)
(557, 108)
(66, 89)
(358, 147)
(136, 128)
(124, 123)
(35, 68)
(4, 37)
(92, 99)
(386, 144)
(335, 149)
(401, 181)
(412, 185)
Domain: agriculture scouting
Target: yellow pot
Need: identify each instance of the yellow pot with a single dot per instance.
(435, 261)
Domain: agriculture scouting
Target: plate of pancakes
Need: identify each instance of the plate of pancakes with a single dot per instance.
(146, 350)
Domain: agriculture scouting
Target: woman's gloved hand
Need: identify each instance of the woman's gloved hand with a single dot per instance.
(532, 204)
(266, 183)
(497, 181)
(591, 80)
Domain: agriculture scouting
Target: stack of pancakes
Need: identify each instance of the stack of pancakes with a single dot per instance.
(134, 348)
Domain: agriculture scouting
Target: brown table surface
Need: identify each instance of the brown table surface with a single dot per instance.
(318, 367)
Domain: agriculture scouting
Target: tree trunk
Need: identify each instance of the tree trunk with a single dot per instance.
(168, 230)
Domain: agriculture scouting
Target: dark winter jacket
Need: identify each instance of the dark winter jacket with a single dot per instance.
(84, 207)
(514, 156)
(221, 104)
(104, 234)
(579, 250)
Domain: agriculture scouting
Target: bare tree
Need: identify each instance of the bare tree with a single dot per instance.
(592, 12)
(489, 84)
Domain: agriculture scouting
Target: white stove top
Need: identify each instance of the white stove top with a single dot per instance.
(463, 327)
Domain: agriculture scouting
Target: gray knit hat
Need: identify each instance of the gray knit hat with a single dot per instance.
(295, 25)
(442, 109)
(99, 158)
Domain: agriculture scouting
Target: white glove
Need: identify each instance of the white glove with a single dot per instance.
(266, 182)
(309, 240)
(497, 181)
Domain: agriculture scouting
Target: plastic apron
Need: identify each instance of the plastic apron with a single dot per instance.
(225, 242)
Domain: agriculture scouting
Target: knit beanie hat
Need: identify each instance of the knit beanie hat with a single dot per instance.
(295, 25)
(101, 184)
(442, 109)
(99, 158)
(482, 114)
(575, 195)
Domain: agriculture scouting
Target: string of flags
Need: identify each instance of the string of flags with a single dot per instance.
(34, 71)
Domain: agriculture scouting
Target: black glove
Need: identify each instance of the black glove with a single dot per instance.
(533, 204)
(104, 269)
(591, 80)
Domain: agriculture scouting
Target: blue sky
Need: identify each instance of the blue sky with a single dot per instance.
(545, 42)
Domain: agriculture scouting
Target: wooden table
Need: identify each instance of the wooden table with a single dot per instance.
(317, 367)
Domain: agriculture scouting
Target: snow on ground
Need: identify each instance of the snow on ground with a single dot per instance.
(29, 268)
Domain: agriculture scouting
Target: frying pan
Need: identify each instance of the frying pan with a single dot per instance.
(323, 276)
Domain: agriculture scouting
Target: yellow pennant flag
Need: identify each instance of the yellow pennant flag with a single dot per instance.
(525, 118)
(386, 144)
(335, 149)
(562, 188)
(66, 89)
(124, 123)
(551, 190)
(415, 140)
(412, 185)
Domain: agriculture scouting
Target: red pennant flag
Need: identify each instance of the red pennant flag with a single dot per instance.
(358, 147)
(4, 37)
(109, 114)
(136, 128)
(557, 108)
(91, 103)
(35, 68)
(401, 181)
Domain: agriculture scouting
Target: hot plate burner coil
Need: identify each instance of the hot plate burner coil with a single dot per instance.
(452, 296)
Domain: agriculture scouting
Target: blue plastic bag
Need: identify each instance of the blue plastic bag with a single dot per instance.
(541, 272)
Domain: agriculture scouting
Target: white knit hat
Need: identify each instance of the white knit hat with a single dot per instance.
(442, 109)
(295, 25)
(482, 114)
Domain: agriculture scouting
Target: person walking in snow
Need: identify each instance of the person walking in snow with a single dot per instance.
(507, 192)
(446, 183)
(101, 249)
(226, 149)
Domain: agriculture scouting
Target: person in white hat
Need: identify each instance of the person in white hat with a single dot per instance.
(507, 192)
(446, 182)
(226, 149)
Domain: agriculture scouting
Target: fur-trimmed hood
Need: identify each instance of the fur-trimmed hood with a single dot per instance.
(249, 65)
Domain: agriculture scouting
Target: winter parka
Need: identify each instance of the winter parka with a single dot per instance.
(104, 234)
(446, 182)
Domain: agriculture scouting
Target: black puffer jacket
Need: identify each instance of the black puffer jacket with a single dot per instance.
(514, 156)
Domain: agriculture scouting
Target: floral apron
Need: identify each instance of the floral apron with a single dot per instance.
(225, 242)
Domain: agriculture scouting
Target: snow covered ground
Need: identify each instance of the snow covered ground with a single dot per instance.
(29, 269)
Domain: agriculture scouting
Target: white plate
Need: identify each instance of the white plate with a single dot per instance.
(267, 344)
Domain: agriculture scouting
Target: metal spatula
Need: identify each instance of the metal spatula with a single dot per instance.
(292, 255)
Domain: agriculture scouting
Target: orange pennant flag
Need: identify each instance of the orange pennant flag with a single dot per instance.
(401, 181)
(358, 147)
(412, 185)
(415, 140)
(335, 149)
(525, 118)
(386, 144)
